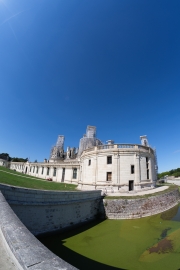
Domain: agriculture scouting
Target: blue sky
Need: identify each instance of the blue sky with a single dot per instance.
(66, 64)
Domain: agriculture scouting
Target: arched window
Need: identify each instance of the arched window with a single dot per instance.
(47, 170)
(42, 170)
(37, 168)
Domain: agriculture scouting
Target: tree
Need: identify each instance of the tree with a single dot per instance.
(173, 172)
(5, 156)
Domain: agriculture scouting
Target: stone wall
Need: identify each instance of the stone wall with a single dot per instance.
(174, 181)
(28, 252)
(44, 211)
(4, 163)
(137, 208)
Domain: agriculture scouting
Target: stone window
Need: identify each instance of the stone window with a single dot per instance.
(63, 175)
(33, 169)
(37, 168)
(147, 167)
(47, 170)
(30, 169)
(132, 169)
(54, 172)
(109, 159)
(89, 162)
(109, 176)
(147, 173)
(42, 170)
(147, 163)
(74, 173)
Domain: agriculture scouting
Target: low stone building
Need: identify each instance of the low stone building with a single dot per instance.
(4, 163)
(111, 167)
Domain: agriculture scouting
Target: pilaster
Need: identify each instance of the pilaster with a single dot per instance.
(94, 176)
(115, 169)
(137, 169)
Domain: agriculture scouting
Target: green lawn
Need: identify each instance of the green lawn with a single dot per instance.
(14, 178)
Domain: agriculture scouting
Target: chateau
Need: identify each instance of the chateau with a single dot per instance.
(111, 167)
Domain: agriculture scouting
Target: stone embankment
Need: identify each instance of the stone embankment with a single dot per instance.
(27, 251)
(137, 208)
(44, 211)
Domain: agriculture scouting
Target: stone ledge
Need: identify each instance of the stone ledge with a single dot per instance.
(20, 202)
(46, 192)
(28, 251)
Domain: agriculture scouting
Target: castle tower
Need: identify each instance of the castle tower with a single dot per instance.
(60, 142)
(57, 151)
(89, 140)
(91, 132)
(144, 140)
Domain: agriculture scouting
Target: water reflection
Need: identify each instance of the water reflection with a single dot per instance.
(171, 213)
(176, 217)
(147, 243)
(56, 243)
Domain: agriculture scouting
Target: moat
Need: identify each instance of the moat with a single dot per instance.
(146, 243)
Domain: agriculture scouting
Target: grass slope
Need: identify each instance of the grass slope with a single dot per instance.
(14, 178)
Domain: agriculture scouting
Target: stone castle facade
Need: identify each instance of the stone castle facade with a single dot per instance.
(110, 167)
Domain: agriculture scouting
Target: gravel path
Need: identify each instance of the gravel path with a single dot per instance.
(135, 193)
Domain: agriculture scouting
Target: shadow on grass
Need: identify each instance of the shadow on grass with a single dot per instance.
(55, 243)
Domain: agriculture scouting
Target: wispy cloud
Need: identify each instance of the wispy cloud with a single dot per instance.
(13, 32)
(8, 19)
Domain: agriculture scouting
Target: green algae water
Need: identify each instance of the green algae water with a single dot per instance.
(146, 243)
